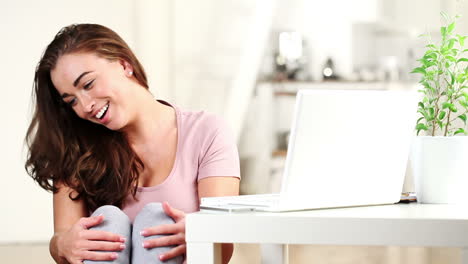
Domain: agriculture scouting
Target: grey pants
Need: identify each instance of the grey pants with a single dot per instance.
(117, 222)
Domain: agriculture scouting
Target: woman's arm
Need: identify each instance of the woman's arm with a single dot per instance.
(72, 242)
(66, 213)
(220, 186)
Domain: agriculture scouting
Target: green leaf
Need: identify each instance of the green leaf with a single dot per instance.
(419, 70)
(444, 50)
(429, 59)
(431, 112)
(449, 92)
(430, 64)
(421, 126)
(430, 54)
(463, 117)
(463, 103)
(426, 116)
(461, 40)
(426, 85)
(461, 95)
(459, 131)
(450, 58)
(451, 43)
(461, 78)
(462, 59)
(443, 31)
(465, 94)
(445, 16)
(465, 50)
(426, 63)
(441, 125)
(442, 115)
(450, 27)
(431, 46)
(446, 105)
(420, 104)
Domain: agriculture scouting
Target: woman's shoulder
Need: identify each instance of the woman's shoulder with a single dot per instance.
(202, 121)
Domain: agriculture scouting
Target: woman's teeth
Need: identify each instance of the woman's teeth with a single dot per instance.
(102, 111)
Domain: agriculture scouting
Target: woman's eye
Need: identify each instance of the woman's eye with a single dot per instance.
(88, 84)
(72, 102)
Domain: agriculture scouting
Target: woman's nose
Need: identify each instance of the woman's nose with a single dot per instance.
(87, 103)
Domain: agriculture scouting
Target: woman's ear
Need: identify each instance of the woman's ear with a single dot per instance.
(127, 67)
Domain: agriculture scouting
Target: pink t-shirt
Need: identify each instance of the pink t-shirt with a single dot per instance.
(205, 148)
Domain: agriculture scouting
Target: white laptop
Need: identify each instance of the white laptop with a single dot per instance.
(346, 148)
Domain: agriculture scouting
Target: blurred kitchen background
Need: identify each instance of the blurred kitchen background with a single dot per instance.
(241, 59)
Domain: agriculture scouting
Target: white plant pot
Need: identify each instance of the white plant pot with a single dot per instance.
(440, 169)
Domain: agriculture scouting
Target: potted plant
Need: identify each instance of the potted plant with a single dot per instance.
(440, 151)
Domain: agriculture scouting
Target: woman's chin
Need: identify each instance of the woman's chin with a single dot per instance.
(115, 125)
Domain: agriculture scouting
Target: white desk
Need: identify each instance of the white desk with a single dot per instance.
(397, 225)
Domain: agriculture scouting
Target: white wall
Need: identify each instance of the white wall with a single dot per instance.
(218, 47)
(26, 27)
(210, 38)
(153, 31)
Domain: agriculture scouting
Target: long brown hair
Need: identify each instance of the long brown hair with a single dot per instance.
(96, 162)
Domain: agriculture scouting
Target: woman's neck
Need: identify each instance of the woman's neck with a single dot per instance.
(153, 120)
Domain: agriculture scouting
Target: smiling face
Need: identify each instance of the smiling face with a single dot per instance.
(95, 88)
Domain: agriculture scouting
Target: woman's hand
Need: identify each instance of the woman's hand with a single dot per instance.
(177, 231)
(79, 243)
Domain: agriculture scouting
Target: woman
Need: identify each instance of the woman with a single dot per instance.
(98, 137)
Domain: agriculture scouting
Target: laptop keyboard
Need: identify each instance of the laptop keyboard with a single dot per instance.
(262, 200)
